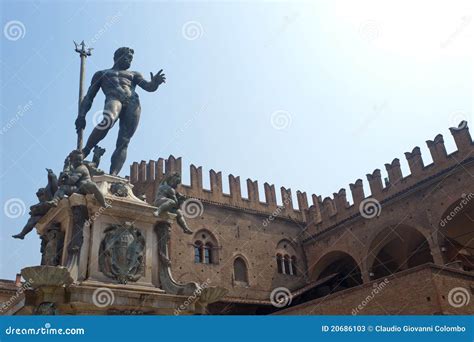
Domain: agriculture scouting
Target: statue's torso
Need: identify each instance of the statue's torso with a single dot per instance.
(164, 192)
(83, 172)
(118, 84)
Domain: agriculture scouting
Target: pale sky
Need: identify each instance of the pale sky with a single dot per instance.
(306, 95)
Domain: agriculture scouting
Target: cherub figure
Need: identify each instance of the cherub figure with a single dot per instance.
(76, 179)
(40, 209)
(169, 200)
(37, 211)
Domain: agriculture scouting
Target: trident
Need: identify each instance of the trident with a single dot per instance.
(83, 53)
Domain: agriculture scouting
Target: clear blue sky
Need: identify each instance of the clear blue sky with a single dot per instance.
(361, 83)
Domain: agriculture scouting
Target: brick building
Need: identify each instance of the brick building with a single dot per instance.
(414, 233)
(407, 248)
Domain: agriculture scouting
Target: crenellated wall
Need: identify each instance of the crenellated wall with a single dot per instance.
(322, 213)
(329, 227)
(329, 212)
(145, 176)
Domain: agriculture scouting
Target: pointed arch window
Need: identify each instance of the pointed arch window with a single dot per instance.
(287, 264)
(208, 253)
(286, 258)
(279, 263)
(240, 270)
(293, 265)
(206, 248)
(198, 255)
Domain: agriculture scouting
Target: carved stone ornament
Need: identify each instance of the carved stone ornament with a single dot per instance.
(119, 189)
(52, 245)
(122, 253)
(167, 281)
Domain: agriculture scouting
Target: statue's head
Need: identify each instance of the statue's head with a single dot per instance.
(123, 58)
(76, 158)
(173, 179)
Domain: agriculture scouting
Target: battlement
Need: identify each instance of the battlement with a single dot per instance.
(145, 176)
(322, 213)
(329, 212)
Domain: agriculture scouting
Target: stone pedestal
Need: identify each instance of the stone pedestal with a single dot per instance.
(111, 260)
(85, 226)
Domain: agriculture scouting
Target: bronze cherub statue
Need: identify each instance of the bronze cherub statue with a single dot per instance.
(76, 178)
(40, 209)
(169, 200)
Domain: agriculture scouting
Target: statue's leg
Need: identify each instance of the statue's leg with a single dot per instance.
(58, 195)
(128, 125)
(92, 188)
(182, 222)
(28, 227)
(167, 205)
(112, 110)
(63, 191)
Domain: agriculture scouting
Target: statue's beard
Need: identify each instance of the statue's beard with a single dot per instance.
(123, 65)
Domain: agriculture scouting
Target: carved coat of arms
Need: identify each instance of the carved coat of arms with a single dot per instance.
(121, 253)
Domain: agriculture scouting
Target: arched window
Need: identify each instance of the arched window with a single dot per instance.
(208, 253)
(286, 263)
(293, 265)
(286, 258)
(205, 248)
(240, 270)
(198, 252)
(279, 263)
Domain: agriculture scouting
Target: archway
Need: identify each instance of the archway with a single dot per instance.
(396, 249)
(336, 271)
(457, 233)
